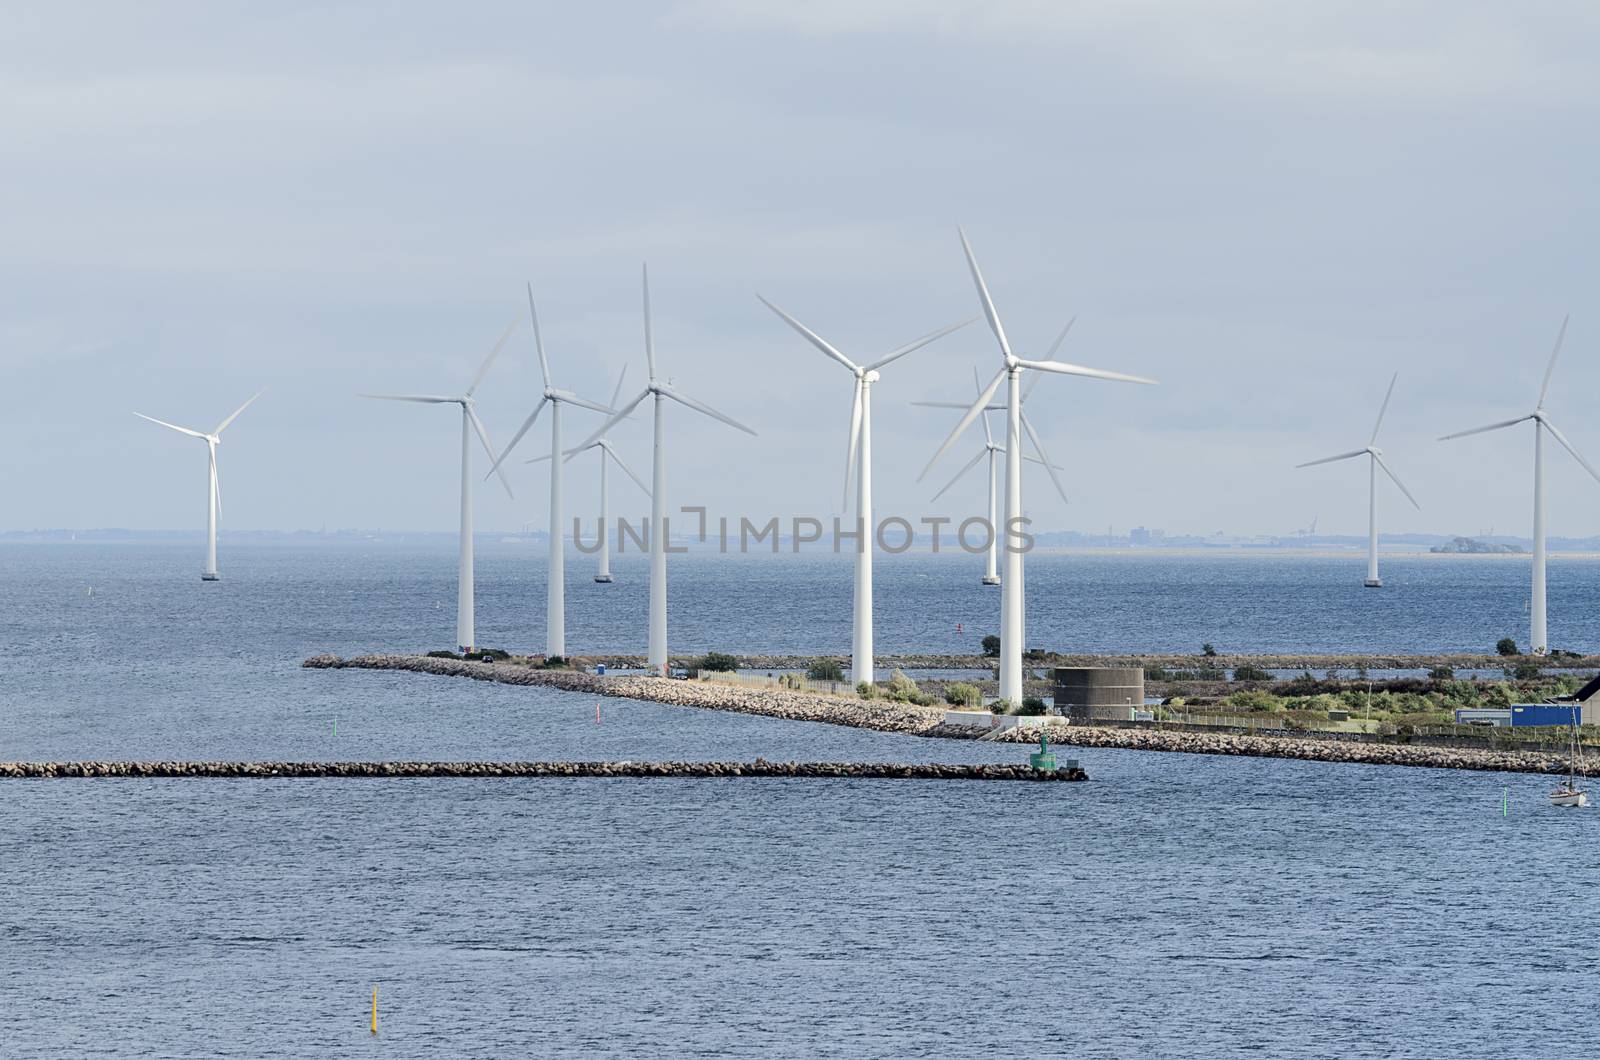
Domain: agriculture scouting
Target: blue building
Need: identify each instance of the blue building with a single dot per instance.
(1565, 715)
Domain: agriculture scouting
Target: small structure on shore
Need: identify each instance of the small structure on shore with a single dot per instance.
(1098, 693)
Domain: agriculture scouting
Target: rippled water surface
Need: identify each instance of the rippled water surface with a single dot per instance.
(1175, 905)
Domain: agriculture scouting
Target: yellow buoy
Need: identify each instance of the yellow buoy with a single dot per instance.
(374, 1010)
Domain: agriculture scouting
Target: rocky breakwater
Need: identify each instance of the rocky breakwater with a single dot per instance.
(1303, 748)
(881, 715)
(530, 770)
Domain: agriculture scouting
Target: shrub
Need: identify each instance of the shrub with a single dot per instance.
(1000, 706)
(1441, 673)
(1034, 654)
(555, 662)
(867, 690)
(1524, 670)
(717, 662)
(1250, 673)
(991, 645)
(494, 654)
(1253, 699)
(443, 655)
(900, 686)
(962, 694)
(826, 670)
(1031, 706)
(1506, 646)
(1208, 651)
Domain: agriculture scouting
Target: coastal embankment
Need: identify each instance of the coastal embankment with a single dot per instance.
(532, 770)
(916, 720)
(1174, 661)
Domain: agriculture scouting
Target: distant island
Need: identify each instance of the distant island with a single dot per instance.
(1472, 546)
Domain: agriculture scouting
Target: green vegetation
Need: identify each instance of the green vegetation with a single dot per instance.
(991, 646)
(1506, 646)
(1441, 673)
(826, 670)
(1250, 673)
(556, 662)
(903, 689)
(1031, 706)
(1208, 651)
(961, 694)
(717, 662)
(866, 690)
(443, 655)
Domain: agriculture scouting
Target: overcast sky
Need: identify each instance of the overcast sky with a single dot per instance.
(1271, 211)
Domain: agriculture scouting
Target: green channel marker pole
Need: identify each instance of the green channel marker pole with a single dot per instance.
(336, 726)
(1505, 802)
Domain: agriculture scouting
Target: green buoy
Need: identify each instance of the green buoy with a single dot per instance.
(1042, 758)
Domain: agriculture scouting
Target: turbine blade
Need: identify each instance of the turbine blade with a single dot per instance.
(238, 410)
(1038, 447)
(1331, 459)
(1027, 388)
(426, 399)
(649, 343)
(617, 391)
(702, 407)
(977, 388)
(488, 448)
(983, 295)
(566, 454)
(216, 483)
(174, 426)
(1550, 369)
(538, 339)
(855, 438)
(1383, 408)
(572, 399)
(968, 466)
(620, 415)
(972, 413)
(483, 369)
(917, 344)
(1056, 345)
(1063, 368)
(612, 453)
(812, 337)
(527, 425)
(1491, 427)
(1388, 471)
(1568, 447)
(953, 405)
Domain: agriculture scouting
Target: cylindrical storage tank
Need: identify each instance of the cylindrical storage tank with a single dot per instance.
(1099, 693)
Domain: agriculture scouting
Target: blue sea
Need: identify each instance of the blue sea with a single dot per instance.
(1175, 905)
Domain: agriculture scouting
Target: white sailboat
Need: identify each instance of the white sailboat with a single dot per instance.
(1567, 793)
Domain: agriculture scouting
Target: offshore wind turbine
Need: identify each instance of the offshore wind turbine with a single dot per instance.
(607, 455)
(1538, 640)
(555, 638)
(1011, 369)
(213, 491)
(858, 461)
(466, 635)
(661, 390)
(1374, 462)
(992, 450)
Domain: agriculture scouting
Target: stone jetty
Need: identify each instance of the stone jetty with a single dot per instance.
(885, 716)
(532, 770)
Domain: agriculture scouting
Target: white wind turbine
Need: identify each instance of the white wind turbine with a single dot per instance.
(1374, 463)
(858, 461)
(466, 635)
(213, 491)
(661, 390)
(1539, 641)
(993, 450)
(555, 640)
(1012, 366)
(607, 455)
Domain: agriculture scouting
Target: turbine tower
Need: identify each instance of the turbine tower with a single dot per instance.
(1011, 369)
(858, 461)
(1537, 637)
(466, 635)
(1374, 462)
(991, 449)
(555, 638)
(607, 455)
(661, 390)
(213, 491)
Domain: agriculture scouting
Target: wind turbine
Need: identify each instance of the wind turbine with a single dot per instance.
(555, 639)
(858, 461)
(1373, 464)
(466, 635)
(992, 450)
(213, 491)
(1012, 366)
(1541, 423)
(661, 390)
(607, 455)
